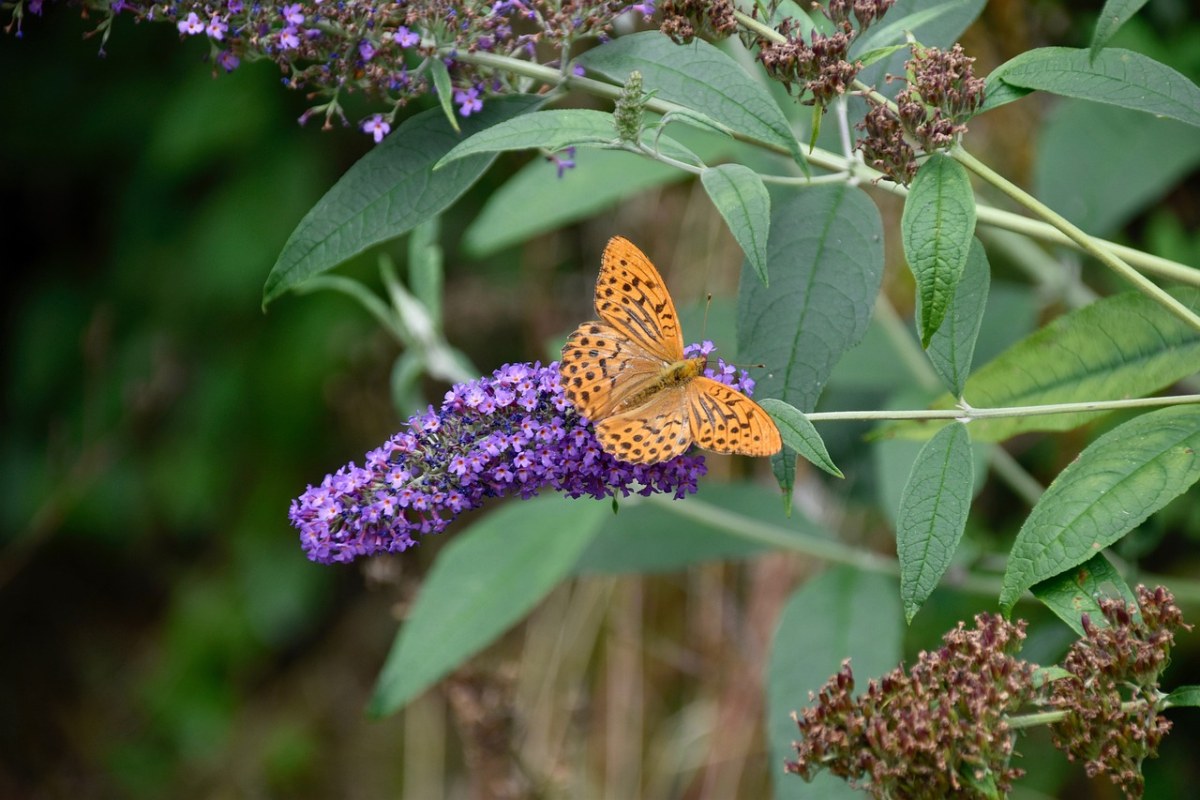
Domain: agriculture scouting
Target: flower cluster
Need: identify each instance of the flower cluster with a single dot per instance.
(819, 66)
(684, 20)
(513, 433)
(388, 50)
(942, 94)
(947, 727)
(1113, 722)
(936, 731)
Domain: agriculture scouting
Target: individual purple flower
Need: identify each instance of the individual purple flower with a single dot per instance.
(235, 6)
(217, 28)
(288, 39)
(366, 50)
(377, 126)
(469, 101)
(406, 38)
(228, 61)
(564, 160)
(191, 25)
(293, 14)
(473, 448)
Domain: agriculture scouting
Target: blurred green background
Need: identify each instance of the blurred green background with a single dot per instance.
(164, 634)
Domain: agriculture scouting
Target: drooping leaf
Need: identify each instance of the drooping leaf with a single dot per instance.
(445, 90)
(388, 192)
(1119, 347)
(1183, 697)
(800, 435)
(1116, 482)
(840, 614)
(1076, 592)
(697, 76)
(937, 227)
(1116, 77)
(490, 576)
(741, 197)
(933, 514)
(952, 347)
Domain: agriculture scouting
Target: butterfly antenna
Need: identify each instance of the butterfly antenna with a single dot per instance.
(707, 306)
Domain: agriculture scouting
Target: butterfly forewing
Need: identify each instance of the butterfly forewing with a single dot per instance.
(631, 296)
(601, 366)
(727, 421)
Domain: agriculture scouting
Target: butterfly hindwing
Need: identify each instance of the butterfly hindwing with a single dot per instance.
(631, 296)
(650, 433)
(724, 420)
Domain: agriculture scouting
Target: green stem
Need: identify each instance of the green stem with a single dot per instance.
(856, 171)
(1085, 242)
(967, 413)
(1021, 721)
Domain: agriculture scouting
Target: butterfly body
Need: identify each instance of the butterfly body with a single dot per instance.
(627, 373)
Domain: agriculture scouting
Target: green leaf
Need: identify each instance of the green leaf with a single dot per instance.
(937, 226)
(1116, 482)
(869, 57)
(1183, 697)
(783, 467)
(697, 76)
(536, 200)
(1116, 77)
(1077, 136)
(445, 90)
(488, 578)
(1045, 675)
(997, 93)
(825, 256)
(1119, 347)
(389, 191)
(667, 536)
(1078, 591)
(554, 130)
(1114, 14)
(425, 268)
(740, 196)
(952, 347)
(933, 514)
(800, 435)
(840, 614)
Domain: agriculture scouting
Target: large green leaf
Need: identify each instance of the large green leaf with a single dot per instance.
(490, 576)
(933, 514)
(1116, 482)
(937, 226)
(1116, 77)
(1114, 14)
(840, 614)
(697, 76)
(387, 192)
(825, 256)
(664, 536)
(1077, 136)
(1076, 592)
(1119, 347)
(952, 348)
(741, 197)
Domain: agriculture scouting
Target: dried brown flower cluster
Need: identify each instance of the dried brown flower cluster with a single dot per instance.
(942, 94)
(935, 731)
(1113, 721)
(684, 20)
(948, 726)
(819, 66)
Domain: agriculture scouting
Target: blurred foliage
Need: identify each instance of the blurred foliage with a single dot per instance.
(166, 636)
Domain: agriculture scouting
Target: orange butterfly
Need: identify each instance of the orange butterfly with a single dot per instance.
(627, 373)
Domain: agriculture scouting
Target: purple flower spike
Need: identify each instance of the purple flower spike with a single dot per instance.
(513, 433)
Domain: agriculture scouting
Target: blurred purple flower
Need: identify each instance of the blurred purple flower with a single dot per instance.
(377, 126)
(191, 25)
